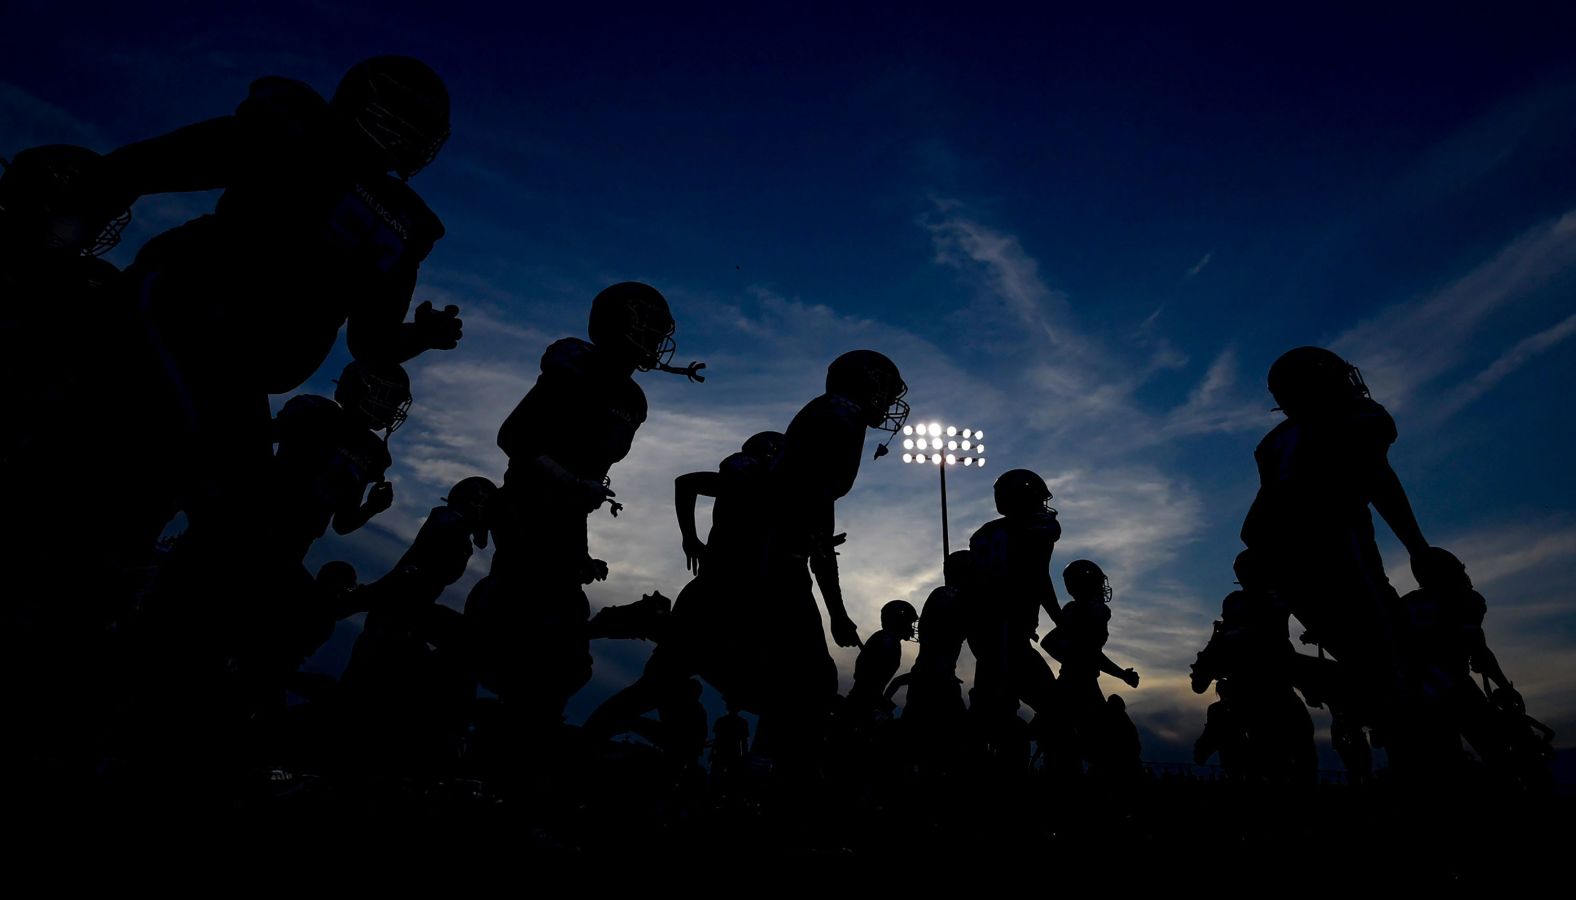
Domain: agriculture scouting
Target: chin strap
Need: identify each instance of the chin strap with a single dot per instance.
(881, 448)
(691, 371)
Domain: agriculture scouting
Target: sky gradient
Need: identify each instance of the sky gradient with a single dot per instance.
(1087, 235)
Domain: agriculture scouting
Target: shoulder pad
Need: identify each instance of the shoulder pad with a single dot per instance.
(286, 98)
(306, 408)
(443, 517)
(1374, 422)
(570, 356)
(987, 532)
(740, 465)
(1043, 524)
(1270, 440)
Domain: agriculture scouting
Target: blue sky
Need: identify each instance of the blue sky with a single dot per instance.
(1088, 234)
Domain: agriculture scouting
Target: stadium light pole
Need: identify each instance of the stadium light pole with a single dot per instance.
(943, 446)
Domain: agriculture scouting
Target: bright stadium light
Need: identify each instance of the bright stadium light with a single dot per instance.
(908, 429)
(932, 449)
(908, 443)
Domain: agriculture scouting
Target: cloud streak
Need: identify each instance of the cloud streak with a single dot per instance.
(1409, 345)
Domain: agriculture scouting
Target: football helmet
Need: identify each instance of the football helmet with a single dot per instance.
(1021, 492)
(1313, 376)
(871, 380)
(900, 618)
(381, 393)
(631, 320)
(1438, 569)
(765, 445)
(1250, 570)
(50, 200)
(470, 496)
(1085, 579)
(401, 105)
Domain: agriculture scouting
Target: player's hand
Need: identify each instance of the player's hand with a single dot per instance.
(694, 552)
(594, 493)
(381, 497)
(845, 632)
(1131, 677)
(440, 330)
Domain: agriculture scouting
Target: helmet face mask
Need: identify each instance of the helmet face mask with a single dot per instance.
(652, 340)
(48, 203)
(896, 412)
(382, 401)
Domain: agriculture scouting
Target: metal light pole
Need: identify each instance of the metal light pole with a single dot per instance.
(943, 447)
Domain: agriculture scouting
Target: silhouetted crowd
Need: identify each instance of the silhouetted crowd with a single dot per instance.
(144, 667)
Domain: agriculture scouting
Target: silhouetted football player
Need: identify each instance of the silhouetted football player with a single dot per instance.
(934, 716)
(408, 682)
(1224, 733)
(1251, 647)
(1011, 559)
(879, 659)
(316, 228)
(709, 630)
(816, 468)
(1441, 640)
(1319, 471)
(1078, 643)
(330, 453)
(530, 615)
(54, 224)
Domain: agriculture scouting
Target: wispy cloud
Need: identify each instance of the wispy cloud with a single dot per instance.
(27, 120)
(1407, 346)
(1199, 266)
(1523, 352)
